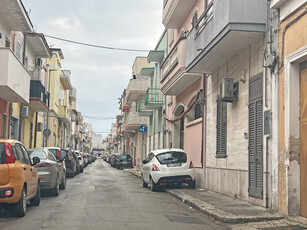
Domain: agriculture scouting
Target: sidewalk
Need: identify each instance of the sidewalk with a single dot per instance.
(221, 207)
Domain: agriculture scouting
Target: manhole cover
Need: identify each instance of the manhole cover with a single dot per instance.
(289, 227)
(184, 219)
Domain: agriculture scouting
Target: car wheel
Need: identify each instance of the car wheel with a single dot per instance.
(154, 186)
(37, 199)
(56, 190)
(145, 185)
(81, 170)
(192, 184)
(63, 184)
(20, 207)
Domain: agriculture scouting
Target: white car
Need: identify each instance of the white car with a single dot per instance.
(167, 166)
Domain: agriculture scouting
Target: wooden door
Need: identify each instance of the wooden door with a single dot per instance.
(303, 138)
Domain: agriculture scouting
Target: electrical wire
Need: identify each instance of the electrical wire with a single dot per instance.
(100, 118)
(95, 46)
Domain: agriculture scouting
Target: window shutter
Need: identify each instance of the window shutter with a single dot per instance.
(221, 129)
(255, 137)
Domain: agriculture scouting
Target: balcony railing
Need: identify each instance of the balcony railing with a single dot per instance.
(39, 97)
(223, 30)
(73, 94)
(142, 110)
(136, 88)
(15, 79)
(153, 98)
(133, 121)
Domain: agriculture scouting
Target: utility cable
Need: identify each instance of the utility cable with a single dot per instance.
(95, 46)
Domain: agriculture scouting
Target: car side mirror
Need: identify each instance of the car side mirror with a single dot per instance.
(144, 161)
(36, 160)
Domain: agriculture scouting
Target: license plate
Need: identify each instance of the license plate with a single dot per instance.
(174, 165)
(124, 162)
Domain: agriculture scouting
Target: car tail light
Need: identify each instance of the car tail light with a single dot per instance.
(9, 154)
(43, 165)
(8, 192)
(80, 158)
(155, 168)
(69, 157)
(59, 153)
(62, 163)
(191, 165)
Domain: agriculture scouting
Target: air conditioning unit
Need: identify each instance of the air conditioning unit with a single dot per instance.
(229, 90)
(39, 126)
(25, 111)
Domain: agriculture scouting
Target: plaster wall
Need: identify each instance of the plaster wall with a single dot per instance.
(230, 175)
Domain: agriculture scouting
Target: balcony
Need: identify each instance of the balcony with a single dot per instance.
(153, 99)
(15, 79)
(175, 11)
(136, 88)
(79, 116)
(15, 16)
(147, 72)
(65, 79)
(64, 114)
(175, 78)
(39, 97)
(73, 94)
(222, 31)
(133, 122)
(142, 110)
(73, 107)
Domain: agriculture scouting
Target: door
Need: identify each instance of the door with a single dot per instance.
(255, 140)
(31, 172)
(31, 135)
(182, 133)
(303, 137)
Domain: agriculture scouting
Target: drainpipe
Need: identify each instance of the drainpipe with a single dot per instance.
(204, 113)
(35, 132)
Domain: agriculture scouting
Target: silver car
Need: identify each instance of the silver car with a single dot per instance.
(51, 172)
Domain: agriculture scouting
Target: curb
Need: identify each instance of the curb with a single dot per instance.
(216, 213)
(212, 211)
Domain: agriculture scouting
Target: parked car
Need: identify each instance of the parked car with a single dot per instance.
(81, 161)
(123, 161)
(75, 156)
(51, 172)
(57, 153)
(70, 162)
(113, 159)
(167, 166)
(19, 180)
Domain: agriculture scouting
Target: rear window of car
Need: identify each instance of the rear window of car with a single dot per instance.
(172, 157)
(63, 153)
(2, 154)
(123, 157)
(38, 153)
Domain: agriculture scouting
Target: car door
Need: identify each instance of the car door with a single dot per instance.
(147, 167)
(33, 172)
(25, 169)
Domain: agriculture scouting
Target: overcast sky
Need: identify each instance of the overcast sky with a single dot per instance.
(99, 75)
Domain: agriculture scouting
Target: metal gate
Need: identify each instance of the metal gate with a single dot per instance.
(255, 140)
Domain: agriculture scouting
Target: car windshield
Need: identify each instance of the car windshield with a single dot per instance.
(2, 154)
(172, 157)
(38, 153)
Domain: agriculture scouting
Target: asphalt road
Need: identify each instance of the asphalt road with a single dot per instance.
(106, 198)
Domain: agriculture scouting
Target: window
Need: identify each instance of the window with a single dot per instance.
(7, 43)
(18, 51)
(197, 111)
(19, 154)
(26, 155)
(221, 129)
(194, 20)
(4, 119)
(51, 157)
(172, 157)
(2, 154)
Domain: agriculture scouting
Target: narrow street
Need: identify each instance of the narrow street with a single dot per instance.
(106, 198)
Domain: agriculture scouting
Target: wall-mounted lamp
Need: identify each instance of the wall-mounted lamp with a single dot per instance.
(243, 76)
